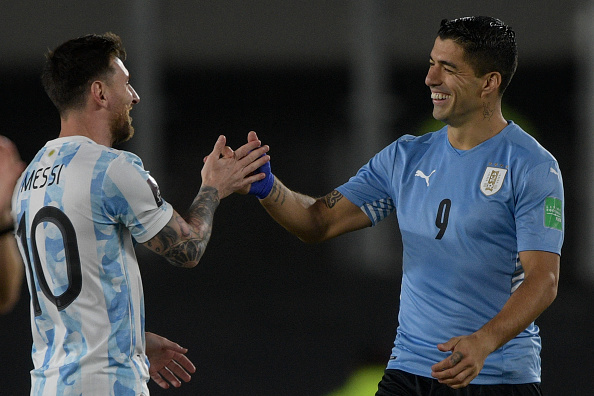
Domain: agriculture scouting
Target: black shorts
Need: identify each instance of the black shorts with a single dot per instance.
(400, 383)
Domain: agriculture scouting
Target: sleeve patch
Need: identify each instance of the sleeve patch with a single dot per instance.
(155, 189)
(553, 213)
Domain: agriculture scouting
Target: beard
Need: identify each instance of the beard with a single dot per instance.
(121, 127)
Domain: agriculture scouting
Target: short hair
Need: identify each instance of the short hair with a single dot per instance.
(489, 45)
(72, 66)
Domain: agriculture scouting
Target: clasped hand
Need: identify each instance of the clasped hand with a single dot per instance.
(229, 171)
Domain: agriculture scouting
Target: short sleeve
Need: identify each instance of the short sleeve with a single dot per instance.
(540, 209)
(370, 188)
(132, 198)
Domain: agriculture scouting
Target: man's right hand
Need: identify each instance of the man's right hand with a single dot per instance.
(229, 171)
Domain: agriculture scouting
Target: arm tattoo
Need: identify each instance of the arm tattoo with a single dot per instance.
(331, 199)
(187, 247)
(277, 193)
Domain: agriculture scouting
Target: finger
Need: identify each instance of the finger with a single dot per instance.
(179, 371)
(255, 156)
(172, 346)
(256, 164)
(252, 179)
(227, 152)
(446, 363)
(449, 345)
(247, 148)
(456, 358)
(168, 375)
(186, 363)
(218, 148)
(461, 380)
(252, 136)
(160, 381)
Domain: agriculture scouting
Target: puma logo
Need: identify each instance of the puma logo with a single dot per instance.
(421, 174)
(554, 171)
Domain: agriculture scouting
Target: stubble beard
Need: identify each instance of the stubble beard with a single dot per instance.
(121, 128)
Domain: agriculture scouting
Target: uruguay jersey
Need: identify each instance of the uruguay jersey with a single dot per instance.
(464, 216)
(79, 206)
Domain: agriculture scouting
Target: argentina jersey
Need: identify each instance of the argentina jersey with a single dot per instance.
(464, 216)
(78, 208)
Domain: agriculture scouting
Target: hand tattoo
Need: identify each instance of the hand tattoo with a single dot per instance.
(456, 358)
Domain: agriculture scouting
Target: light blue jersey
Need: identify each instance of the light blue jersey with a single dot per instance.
(463, 216)
(78, 207)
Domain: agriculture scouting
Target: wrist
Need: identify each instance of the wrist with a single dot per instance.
(262, 188)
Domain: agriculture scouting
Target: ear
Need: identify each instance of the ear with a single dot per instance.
(492, 83)
(98, 93)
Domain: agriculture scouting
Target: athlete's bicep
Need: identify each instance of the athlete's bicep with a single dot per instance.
(542, 264)
(341, 215)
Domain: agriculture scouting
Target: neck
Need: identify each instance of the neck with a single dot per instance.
(471, 134)
(83, 124)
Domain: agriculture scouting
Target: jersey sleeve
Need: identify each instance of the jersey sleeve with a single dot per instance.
(370, 188)
(540, 209)
(132, 198)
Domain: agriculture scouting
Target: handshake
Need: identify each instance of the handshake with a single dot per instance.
(246, 170)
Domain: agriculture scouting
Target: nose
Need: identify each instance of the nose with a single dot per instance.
(432, 78)
(135, 97)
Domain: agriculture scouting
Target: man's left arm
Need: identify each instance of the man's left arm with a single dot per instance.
(533, 296)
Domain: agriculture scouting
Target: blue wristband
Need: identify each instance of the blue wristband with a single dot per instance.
(262, 188)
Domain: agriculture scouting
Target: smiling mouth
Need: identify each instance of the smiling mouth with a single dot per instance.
(439, 96)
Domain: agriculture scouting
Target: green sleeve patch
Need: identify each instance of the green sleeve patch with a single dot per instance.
(553, 213)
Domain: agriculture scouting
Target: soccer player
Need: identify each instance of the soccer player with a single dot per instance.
(80, 207)
(480, 210)
(11, 266)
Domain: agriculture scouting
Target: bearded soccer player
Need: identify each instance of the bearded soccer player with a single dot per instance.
(79, 208)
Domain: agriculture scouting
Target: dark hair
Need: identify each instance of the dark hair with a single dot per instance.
(74, 64)
(489, 45)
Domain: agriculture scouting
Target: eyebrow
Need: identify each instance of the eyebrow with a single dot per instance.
(444, 62)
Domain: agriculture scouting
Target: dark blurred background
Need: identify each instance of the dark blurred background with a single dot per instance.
(326, 84)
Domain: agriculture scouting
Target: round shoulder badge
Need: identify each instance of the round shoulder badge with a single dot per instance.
(492, 180)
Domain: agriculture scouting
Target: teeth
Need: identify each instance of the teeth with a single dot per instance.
(439, 96)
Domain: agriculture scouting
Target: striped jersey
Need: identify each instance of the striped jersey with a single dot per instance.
(463, 216)
(79, 208)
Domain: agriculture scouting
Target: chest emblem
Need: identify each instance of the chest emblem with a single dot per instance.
(492, 180)
(420, 173)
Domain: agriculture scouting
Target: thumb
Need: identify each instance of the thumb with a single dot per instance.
(173, 346)
(218, 147)
(252, 136)
(449, 345)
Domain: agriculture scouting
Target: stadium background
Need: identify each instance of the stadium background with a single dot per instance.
(325, 84)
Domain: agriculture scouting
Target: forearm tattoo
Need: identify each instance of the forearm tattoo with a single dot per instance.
(187, 247)
(332, 199)
(277, 193)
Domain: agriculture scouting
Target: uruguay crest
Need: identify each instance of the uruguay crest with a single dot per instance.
(492, 180)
